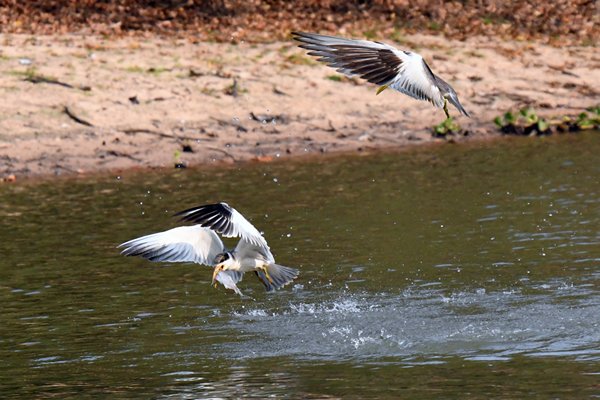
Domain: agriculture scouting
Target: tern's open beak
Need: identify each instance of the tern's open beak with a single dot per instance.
(216, 271)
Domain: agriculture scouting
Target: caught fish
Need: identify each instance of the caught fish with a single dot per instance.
(227, 281)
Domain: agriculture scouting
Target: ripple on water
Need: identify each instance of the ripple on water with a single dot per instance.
(417, 322)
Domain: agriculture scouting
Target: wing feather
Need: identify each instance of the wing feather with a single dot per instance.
(250, 251)
(416, 80)
(182, 244)
(226, 221)
(375, 62)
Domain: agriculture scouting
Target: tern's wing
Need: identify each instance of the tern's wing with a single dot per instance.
(376, 62)
(245, 249)
(227, 221)
(183, 244)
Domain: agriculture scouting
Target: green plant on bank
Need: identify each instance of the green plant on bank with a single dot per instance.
(299, 59)
(447, 127)
(397, 36)
(589, 121)
(32, 74)
(507, 119)
(370, 34)
(527, 122)
(177, 160)
(531, 118)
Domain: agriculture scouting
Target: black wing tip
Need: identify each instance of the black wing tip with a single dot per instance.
(194, 213)
(310, 38)
(213, 216)
(134, 251)
(299, 34)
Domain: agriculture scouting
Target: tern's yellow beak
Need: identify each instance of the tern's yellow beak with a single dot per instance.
(216, 271)
(381, 89)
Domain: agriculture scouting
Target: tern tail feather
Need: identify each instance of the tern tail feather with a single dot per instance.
(279, 276)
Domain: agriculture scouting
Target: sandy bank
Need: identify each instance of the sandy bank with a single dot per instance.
(155, 102)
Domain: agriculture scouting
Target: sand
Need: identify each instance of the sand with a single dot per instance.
(157, 102)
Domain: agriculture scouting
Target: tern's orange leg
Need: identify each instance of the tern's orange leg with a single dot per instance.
(266, 271)
(446, 108)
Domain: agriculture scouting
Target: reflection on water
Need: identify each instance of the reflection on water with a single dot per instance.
(446, 270)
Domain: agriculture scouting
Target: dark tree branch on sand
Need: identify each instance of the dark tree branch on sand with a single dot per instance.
(43, 79)
(221, 151)
(134, 131)
(75, 117)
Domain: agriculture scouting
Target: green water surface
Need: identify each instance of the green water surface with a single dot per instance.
(466, 271)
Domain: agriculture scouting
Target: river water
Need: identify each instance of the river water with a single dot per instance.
(451, 271)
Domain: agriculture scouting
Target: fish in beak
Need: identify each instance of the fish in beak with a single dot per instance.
(216, 271)
(227, 278)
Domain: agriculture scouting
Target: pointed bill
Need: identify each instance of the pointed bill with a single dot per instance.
(459, 107)
(381, 89)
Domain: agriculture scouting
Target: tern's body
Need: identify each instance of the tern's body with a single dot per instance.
(201, 244)
(383, 65)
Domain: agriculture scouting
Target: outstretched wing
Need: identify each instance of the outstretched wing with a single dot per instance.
(227, 221)
(250, 251)
(375, 62)
(183, 244)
